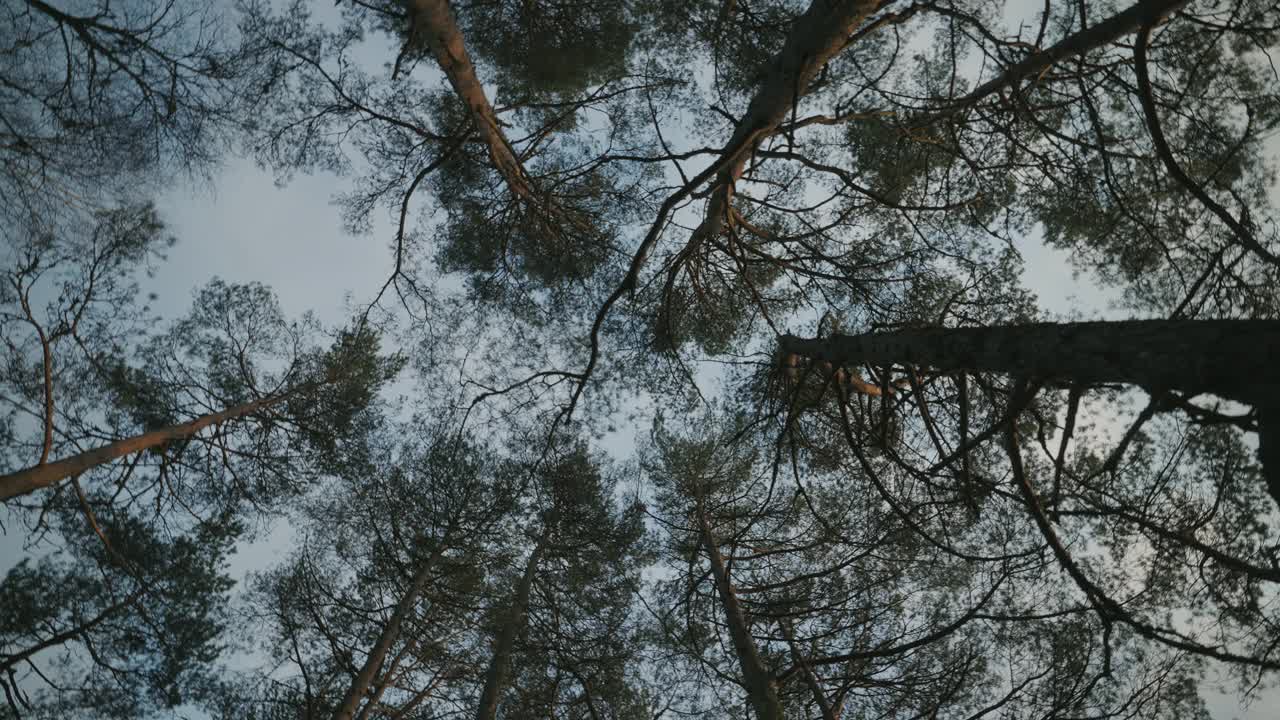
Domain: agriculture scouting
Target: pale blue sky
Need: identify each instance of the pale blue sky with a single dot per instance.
(242, 227)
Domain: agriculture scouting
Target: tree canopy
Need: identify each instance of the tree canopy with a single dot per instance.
(707, 378)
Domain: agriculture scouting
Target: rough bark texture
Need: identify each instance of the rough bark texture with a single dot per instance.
(762, 688)
(817, 36)
(434, 25)
(1234, 359)
(500, 664)
(360, 684)
(42, 476)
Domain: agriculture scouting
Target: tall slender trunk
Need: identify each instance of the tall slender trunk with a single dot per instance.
(363, 679)
(806, 672)
(500, 664)
(42, 476)
(1235, 359)
(434, 24)
(762, 688)
(817, 36)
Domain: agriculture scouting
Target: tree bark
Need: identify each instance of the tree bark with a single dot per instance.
(762, 688)
(500, 664)
(360, 684)
(434, 25)
(817, 36)
(806, 673)
(36, 477)
(1234, 359)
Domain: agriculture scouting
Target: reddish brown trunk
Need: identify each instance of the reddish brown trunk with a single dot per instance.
(500, 664)
(817, 36)
(762, 689)
(42, 476)
(434, 24)
(360, 684)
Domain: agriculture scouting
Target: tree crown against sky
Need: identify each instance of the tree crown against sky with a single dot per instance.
(774, 246)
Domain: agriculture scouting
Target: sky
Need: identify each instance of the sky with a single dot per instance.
(241, 227)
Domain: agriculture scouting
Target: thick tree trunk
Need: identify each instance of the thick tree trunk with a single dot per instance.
(762, 688)
(363, 679)
(500, 664)
(42, 476)
(817, 36)
(1234, 359)
(434, 25)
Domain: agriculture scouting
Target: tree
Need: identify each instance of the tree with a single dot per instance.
(232, 337)
(885, 481)
(1231, 359)
(563, 635)
(122, 628)
(1124, 493)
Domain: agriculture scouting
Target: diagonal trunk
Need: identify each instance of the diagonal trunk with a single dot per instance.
(434, 24)
(817, 36)
(1126, 22)
(390, 632)
(500, 664)
(36, 477)
(9, 661)
(762, 688)
(1235, 359)
(806, 673)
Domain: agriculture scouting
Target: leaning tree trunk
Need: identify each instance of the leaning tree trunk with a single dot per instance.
(434, 24)
(1125, 22)
(1234, 359)
(762, 688)
(816, 37)
(46, 475)
(363, 679)
(500, 664)
(807, 674)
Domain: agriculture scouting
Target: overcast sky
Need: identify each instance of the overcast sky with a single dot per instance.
(245, 228)
(241, 227)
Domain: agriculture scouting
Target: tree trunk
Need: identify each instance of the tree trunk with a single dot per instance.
(42, 476)
(806, 673)
(434, 24)
(1113, 28)
(360, 684)
(500, 664)
(1234, 359)
(762, 688)
(817, 36)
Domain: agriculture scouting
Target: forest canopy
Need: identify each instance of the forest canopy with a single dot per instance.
(706, 377)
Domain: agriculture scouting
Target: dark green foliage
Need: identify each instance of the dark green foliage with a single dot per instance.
(887, 538)
(133, 623)
(550, 46)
